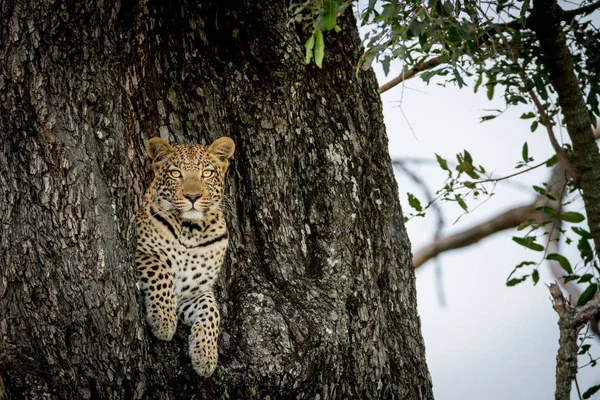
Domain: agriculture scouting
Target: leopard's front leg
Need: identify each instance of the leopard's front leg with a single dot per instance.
(158, 288)
(202, 313)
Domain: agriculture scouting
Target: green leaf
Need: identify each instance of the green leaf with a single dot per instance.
(585, 278)
(585, 250)
(535, 276)
(468, 157)
(414, 202)
(521, 265)
(571, 278)
(516, 281)
(385, 63)
(581, 232)
(527, 115)
(528, 242)
(319, 48)
(524, 10)
(491, 84)
(465, 164)
(587, 294)
(552, 161)
(478, 83)
(330, 15)
(588, 393)
(525, 152)
(564, 263)
(540, 190)
(525, 224)
(571, 216)
(584, 349)
(540, 87)
(515, 99)
(534, 126)
(547, 210)
(338, 29)
(461, 202)
(309, 45)
(443, 163)
(459, 79)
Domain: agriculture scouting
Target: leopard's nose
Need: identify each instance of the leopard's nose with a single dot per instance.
(192, 197)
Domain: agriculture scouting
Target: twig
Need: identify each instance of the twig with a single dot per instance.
(509, 176)
(577, 386)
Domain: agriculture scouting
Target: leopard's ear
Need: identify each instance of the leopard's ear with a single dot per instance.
(223, 149)
(158, 149)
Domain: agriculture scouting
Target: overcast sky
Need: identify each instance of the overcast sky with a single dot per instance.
(489, 341)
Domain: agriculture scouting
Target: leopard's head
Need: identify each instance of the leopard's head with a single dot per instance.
(189, 179)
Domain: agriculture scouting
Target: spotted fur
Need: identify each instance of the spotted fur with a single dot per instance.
(182, 239)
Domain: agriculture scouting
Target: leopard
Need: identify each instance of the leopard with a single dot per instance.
(182, 238)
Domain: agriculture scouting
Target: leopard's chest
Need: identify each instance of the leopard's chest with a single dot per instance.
(195, 270)
(193, 251)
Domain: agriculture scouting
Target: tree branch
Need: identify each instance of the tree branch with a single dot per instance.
(506, 220)
(410, 73)
(511, 219)
(585, 10)
(570, 323)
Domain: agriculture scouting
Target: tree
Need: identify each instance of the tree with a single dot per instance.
(318, 294)
(541, 55)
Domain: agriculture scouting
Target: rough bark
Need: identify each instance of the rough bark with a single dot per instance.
(571, 320)
(318, 295)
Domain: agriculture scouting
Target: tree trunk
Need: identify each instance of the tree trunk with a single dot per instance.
(317, 295)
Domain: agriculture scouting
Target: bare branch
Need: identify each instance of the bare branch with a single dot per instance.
(506, 220)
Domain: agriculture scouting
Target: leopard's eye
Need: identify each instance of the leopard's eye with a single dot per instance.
(175, 173)
(207, 173)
